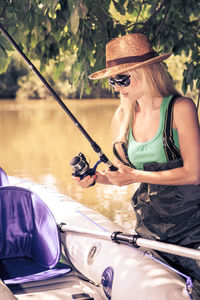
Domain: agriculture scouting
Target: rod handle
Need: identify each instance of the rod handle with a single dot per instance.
(113, 168)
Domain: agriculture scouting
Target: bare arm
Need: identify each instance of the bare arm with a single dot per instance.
(186, 122)
(115, 124)
(100, 176)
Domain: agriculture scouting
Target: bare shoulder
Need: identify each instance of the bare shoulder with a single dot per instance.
(184, 103)
(185, 110)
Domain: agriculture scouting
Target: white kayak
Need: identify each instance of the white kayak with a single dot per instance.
(101, 269)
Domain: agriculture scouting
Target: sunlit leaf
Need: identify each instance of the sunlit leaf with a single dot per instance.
(53, 6)
(59, 69)
(119, 7)
(74, 20)
(4, 61)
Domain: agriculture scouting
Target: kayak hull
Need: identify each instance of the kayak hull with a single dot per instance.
(119, 270)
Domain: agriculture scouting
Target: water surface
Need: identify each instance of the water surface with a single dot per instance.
(38, 140)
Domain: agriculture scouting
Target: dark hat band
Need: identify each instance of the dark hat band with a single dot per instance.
(130, 59)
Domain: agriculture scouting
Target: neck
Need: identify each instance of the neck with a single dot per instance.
(148, 104)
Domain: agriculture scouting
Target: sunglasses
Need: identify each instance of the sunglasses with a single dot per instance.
(121, 80)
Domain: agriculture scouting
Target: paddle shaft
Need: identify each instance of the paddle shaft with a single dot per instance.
(94, 145)
(134, 240)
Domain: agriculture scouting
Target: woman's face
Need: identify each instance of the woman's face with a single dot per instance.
(133, 91)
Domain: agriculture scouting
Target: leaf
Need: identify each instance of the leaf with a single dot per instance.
(184, 73)
(59, 69)
(48, 24)
(5, 60)
(53, 6)
(191, 85)
(196, 74)
(187, 50)
(76, 71)
(82, 10)
(189, 77)
(179, 46)
(184, 86)
(74, 20)
(119, 7)
(5, 43)
(198, 84)
(71, 4)
(10, 12)
(130, 7)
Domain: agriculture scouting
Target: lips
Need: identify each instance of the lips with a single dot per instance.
(124, 94)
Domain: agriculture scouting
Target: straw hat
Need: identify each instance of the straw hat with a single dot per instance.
(126, 53)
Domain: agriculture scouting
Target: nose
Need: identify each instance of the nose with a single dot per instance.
(118, 87)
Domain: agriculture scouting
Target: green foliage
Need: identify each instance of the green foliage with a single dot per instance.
(30, 87)
(53, 29)
(9, 81)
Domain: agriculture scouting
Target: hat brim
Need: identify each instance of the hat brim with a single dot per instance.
(113, 71)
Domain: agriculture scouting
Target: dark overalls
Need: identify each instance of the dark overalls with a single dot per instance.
(169, 213)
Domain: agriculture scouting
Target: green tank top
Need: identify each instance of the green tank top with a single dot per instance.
(152, 150)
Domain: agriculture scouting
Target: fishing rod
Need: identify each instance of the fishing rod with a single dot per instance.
(78, 163)
(134, 240)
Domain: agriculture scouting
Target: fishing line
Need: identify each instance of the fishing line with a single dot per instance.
(93, 144)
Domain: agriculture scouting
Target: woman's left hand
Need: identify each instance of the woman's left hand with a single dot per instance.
(123, 176)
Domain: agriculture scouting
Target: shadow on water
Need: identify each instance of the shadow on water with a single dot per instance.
(38, 140)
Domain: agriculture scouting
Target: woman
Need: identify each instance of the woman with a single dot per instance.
(156, 138)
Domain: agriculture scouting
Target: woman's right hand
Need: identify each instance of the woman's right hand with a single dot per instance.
(86, 182)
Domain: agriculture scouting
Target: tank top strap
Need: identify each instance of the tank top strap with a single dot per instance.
(171, 151)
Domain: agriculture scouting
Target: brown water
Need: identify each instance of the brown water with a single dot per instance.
(38, 140)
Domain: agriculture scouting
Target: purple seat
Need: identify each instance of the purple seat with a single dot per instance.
(3, 178)
(29, 238)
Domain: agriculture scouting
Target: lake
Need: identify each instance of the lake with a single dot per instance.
(38, 140)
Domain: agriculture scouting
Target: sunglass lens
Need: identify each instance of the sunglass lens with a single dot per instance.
(111, 81)
(121, 80)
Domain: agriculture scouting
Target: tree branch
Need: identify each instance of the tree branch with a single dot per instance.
(162, 22)
(153, 15)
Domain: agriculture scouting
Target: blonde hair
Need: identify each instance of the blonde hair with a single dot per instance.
(156, 83)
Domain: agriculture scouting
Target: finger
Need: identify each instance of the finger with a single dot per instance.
(93, 178)
(87, 183)
(75, 178)
(119, 165)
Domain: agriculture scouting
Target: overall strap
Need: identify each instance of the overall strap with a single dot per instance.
(171, 151)
(118, 156)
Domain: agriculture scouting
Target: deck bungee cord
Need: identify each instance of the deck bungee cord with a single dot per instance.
(76, 161)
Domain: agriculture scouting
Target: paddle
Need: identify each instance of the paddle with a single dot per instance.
(135, 241)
